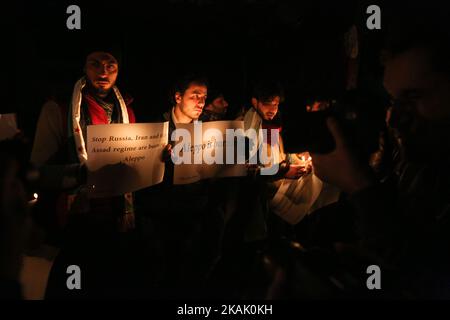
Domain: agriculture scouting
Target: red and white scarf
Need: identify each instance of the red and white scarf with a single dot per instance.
(75, 112)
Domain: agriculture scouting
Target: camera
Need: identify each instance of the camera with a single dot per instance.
(360, 115)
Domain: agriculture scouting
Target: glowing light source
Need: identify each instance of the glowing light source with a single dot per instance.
(33, 200)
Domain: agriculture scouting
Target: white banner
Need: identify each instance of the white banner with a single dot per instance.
(8, 126)
(125, 157)
(208, 150)
(295, 198)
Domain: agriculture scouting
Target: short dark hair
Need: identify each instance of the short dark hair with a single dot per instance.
(214, 92)
(184, 82)
(267, 90)
(112, 44)
(425, 29)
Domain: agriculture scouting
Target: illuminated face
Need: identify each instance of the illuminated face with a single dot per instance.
(191, 103)
(218, 105)
(420, 114)
(267, 109)
(101, 71)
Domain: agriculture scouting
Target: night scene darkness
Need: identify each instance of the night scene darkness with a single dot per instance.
(221, 156)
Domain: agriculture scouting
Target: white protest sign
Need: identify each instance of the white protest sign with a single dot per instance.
(125, 157)
(8, 126)
(208, 150)
(294, 198)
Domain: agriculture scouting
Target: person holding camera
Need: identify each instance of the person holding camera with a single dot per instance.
(403, 222)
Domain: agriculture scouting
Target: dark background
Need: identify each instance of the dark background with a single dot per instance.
(233, 42)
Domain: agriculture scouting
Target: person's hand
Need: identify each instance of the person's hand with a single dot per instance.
(166, 153)
(308, 168)
(305, 161)
(104, 181)
(339, 167)
(295, 171)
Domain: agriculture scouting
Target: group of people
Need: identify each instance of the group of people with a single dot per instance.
(220, 237)
(175, 230)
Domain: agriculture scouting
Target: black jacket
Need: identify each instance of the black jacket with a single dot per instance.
(188, 200)
(405, 222)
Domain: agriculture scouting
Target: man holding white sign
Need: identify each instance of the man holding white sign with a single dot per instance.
(60, 147)
(273, 166)
(94, 232)
(181, 219)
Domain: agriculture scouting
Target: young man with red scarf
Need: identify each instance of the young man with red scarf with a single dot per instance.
(59, 148)
(94, 229)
